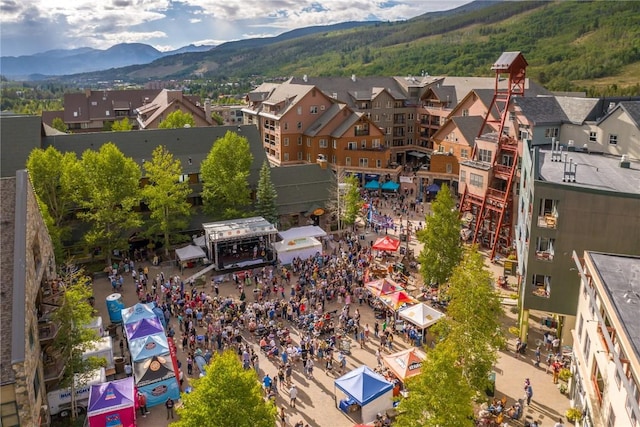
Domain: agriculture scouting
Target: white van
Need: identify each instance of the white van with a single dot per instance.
(60, 400)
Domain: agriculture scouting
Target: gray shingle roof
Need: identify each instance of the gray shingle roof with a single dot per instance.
(578, 110)
(19, 135)
(542, 110)
(633, 110)
(469, 127)
(301, 186)
(319, 125)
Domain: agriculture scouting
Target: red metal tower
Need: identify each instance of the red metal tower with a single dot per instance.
(488, 208)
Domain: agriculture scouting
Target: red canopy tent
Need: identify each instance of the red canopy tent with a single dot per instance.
(406, 363)
(397, 299)
(383, 286)
(386, 243)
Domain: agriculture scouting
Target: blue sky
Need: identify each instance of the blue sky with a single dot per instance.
(32, 26)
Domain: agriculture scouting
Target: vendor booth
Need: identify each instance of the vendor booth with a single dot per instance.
(420, 315)
(303, 248)
(305, 231)
(386, 243)
(405, 364)
(138, 312)
(383, 287)
(397, 300)
(189, 254)
(156, 378)
(143, 328)
(366, 391)
(112, 404)
(149, 346)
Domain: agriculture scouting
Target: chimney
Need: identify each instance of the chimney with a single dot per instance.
(624, 163)
(207, 110)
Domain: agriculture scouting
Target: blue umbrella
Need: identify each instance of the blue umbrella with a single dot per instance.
(390, 185)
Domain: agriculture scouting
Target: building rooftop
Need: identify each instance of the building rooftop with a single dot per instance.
(594, 171)
(621, 279)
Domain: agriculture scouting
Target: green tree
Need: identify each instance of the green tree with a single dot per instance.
(352, 200)
(472, 326)
(107, 189)
(227, 395)
(217, 118)
(440, 395)
(122, 125)
(165, 195)
(225, 171)
(60, 125)
(266, 195)
(51, 175)
(177, 119)
(442, 248)
(73, 339)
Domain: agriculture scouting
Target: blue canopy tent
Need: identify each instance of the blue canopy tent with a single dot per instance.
(138, 312)
(363, 387)
(390, 186)
(372, 185)
(433, 188)
(149, 346)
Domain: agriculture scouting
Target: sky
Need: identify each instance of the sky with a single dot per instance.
(33, 26)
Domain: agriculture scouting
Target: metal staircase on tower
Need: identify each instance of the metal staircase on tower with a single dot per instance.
(488, 210)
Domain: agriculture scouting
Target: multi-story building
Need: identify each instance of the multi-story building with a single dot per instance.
(606, 357)
(27, 267)
(231, 114)
(570, 200)
(152, 113)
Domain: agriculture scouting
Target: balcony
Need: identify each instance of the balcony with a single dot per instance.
(47, 332)
(53, 366)
(544, 255)
(362, 132)
(369, 149)
(502, 171)
(547, 221)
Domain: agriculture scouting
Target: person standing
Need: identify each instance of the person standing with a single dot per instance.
(169, 405)
(283, 416)
(528, 392)
(537, 354)
(293, 395)
(142, 404)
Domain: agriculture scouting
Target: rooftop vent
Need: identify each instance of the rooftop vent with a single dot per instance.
(624, 163)
(569, 174)
(305, 78)
(353, 77)
(571, 145)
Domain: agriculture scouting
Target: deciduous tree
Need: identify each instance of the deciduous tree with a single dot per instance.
(177, 119)
(442, 248)
(266, 195)
(439, 396)
(107, 189)
(165, 195)
(225, 171)
(73, 339)
(227, 395)
(352, 200)
(122, 125)
(60, 125)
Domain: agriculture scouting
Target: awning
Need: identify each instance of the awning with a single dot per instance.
(416, 154)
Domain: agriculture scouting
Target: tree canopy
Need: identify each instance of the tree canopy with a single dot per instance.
(352, 200)
(266, 195)
(225, 173)
(107, 189)
(227, 395)
(442, 248)
(122, 125)
(177, 119)
(165, 195)
(60, 125)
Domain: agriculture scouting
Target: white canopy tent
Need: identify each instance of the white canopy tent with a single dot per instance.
(421, 315)
(302, 248)
(189, 253)
(300, 232)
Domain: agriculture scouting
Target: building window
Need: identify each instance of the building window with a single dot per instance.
(335, 144)
(308, 157)
(286, 157)
(464, 153)
(308, 142)
(512, 116)
(286, 142)
(484, 155)
(463, 176)
(323, 143)
(333, 159)
(313, 109)
(378, 163)
(580, 326)
(551, 132)
(299, 155)
(544, 248)
(449, 168)
(613, 139)
(299, 111)
(441, 149)
(286, 125)
(375, 143)
(363, 143)
(541, 285)
(376, 117)
(9, 414)
(363, 162)
(465, 113)
(351, 145)
(36, 384)
(299, 125)
(347, 161)
(593, 136)
(476, 180)
(299, 140)
(618, 379)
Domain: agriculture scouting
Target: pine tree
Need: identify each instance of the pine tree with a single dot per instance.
(266, 195)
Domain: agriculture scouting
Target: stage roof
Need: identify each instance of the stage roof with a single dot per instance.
(237, 229)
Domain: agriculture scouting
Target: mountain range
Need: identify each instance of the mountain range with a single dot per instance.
(568, 44)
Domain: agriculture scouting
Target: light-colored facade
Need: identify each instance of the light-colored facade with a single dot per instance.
(606, 362)
(27, 266)
(570, 201)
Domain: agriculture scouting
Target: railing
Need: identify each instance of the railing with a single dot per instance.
(362, 132)
(547, 221)
(47, 331)
(502, 170)
(53, 371)
(544, 255)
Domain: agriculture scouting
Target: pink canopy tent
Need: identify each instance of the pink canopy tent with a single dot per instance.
(112, 404)
(397, 299)
(383, 286)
